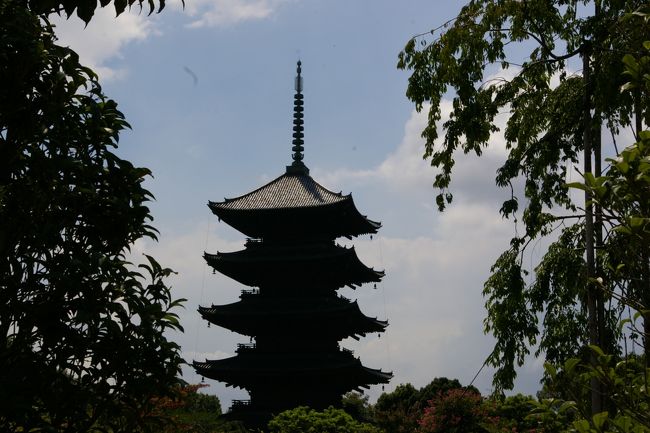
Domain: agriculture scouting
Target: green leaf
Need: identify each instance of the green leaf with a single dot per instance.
(571, 364)
(599, 420)
(577, 185)
(596, 350)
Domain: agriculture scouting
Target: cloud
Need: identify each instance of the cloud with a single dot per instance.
(99, 45)
(436, 263)
(218, 13)
(431, 296)
(405, 170)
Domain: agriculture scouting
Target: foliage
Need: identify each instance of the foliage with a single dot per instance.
(513, 414)
(82, 331)
(190, 411)
(86, 9)
(357, 406)
(456, 411)
(305, 420)
(624, 195)
(400, 410)
(554, 415)
(630, 399)
(544, 136)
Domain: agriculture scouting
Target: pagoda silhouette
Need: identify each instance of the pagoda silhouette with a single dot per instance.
(292, 311)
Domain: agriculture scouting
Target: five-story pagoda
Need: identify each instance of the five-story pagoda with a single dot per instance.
(294, 267)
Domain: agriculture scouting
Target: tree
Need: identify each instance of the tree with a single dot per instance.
(623, 195)
(456, 411)
(550, 127)
(82, 331)
(86, 9)
(629, 396)
(399, 411)
(305, 420)
(189, 411)
(357, 406)
(513, 414)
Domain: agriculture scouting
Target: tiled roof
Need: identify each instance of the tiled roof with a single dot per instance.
(287, 191)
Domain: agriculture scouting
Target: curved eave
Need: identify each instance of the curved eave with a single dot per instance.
(331, 220)
(378, 375)
(373, 226)
(245, 372)
(253, 268)
(257, 318)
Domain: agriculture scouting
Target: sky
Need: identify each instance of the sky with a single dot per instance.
(208, 91)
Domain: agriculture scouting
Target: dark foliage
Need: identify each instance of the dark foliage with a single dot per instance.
(85, 9)
(399, 411)
(82, 338)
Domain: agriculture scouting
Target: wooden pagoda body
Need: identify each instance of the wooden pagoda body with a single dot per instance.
(294, 267)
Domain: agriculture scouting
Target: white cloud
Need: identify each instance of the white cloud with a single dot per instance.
(404, 169)
(217, 13)
(431, 296)
(100, 43)
(432, 290)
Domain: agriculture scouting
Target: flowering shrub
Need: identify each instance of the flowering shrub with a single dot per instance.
(457, 411)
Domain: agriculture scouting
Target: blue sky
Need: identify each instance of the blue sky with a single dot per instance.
(229, 131)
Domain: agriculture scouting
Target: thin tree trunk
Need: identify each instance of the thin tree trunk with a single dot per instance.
(645, 257)
(598, 234)
(592, 307)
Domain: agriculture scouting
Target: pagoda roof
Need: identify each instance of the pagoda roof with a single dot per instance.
(257, 315)
(294, 204)
(253, 368)
(328, 265)
(285, 192)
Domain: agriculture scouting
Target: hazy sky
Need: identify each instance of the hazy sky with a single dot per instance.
(208, 91)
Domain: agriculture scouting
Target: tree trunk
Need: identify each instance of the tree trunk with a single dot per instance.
(592, 296)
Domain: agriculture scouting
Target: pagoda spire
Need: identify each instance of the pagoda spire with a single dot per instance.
(298, 167)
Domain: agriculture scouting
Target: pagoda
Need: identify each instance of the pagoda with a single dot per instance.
(293, 268)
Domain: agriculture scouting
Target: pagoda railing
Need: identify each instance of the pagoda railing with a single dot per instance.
(253, 242)
(249, 292)
(239, 404)
(241, 347)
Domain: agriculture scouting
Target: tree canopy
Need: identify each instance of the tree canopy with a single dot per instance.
(558, 97)
(82, 330)
(400, 410)
(331, 420)
(86, 9)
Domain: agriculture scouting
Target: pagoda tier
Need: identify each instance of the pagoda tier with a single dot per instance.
(268, 375)
(318, 265)
(316, 318)
(294, 206)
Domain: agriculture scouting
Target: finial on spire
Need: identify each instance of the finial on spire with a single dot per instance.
(298, 166)
(298, 85)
